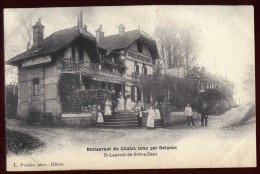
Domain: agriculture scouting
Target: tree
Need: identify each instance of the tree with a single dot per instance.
(25, 33)
(189, 47)
(178, 46)
(10, 74)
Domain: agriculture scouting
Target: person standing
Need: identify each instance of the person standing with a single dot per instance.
(114, 99)
(107, 108)
(204, 115)
(150, 118)
(99, 115)
(121, 103)
(139, 110)
(189, 113)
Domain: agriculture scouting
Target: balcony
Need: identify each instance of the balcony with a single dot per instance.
(139, 56)
(80, 66)
(137, 76)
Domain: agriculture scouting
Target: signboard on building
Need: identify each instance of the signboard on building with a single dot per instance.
(176, 72)
(36, 61)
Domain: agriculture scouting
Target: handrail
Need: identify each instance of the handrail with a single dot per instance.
(141, 56)
(88, 68)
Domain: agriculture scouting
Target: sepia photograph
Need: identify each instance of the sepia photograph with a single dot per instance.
(129, 87)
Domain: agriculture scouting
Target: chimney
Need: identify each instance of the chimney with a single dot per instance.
(121, 29)
(80, 19)
(38, 32)
(100, 33)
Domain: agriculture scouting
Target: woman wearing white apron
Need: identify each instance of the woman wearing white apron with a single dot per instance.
(121, 104)
(150, 118)
(107, 108)
(100, 116)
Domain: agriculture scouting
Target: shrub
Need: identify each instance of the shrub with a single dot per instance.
(74, 100)
(18, 143)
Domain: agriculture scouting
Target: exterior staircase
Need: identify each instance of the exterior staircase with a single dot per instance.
(123, 119)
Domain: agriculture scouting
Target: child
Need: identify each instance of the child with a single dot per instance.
(188, 113)
(100, 116)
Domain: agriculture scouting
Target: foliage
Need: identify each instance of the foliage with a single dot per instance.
(11, 98)
(122, 65)
(73, 99)
(11, 74)
(21, 143)
(178, 46)
(178, 91)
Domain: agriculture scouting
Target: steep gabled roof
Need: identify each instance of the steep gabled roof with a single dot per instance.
(54, 42)
(115, 42)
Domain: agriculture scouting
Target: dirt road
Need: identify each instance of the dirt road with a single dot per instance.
(218, 145)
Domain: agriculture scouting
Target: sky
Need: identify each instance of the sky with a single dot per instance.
(226, 33)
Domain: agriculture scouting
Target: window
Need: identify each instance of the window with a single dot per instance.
(36, 87)
(136, 67)
(139, 47)
(144, 70)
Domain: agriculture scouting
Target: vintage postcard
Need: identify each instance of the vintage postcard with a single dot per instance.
(129, 87)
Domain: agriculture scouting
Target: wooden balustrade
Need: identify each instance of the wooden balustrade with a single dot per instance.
(88, 68)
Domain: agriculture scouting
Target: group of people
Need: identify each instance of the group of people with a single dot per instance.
(204, 115)
(153, 115)
(107, 111)
(153, 112)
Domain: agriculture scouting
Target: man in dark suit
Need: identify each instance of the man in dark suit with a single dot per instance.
(204, 115)
(138, 110)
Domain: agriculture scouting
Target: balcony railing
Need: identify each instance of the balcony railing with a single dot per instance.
(139, 56)
(137, 76)
(89, 68)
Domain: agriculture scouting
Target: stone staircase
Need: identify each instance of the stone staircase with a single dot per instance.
(123, 119)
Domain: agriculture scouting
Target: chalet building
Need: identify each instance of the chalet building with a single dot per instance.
(109, 62)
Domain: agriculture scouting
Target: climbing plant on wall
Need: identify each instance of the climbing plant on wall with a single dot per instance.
(73, 99)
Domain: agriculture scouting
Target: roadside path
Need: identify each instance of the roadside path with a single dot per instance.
(217, 145)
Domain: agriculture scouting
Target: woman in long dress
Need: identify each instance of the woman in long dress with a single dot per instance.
(121, 104)
(108, 108)
(150, 118)
(157, 115)
(100, 116)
